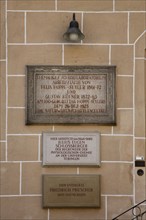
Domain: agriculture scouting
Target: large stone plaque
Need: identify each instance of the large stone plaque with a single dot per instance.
(71, 191)
(71, 148)
(68, 94)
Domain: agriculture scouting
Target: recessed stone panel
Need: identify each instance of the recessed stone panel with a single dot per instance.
(70, 94)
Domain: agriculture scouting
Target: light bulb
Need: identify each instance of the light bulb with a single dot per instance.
(73, 37)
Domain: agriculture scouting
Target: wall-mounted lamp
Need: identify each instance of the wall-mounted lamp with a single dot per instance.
(73, 33)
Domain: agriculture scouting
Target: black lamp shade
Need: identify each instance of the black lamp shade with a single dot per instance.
(73, 33)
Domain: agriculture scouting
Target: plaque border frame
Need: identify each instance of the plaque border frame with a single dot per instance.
(90, 164)
(32, 118)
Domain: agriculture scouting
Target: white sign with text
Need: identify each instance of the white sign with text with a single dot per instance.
(71, 148)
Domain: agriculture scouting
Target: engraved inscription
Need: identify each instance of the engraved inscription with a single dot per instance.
(71, 191)
(71, 148)
(69, 94)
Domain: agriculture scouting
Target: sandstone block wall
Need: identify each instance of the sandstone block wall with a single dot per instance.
(31, 34)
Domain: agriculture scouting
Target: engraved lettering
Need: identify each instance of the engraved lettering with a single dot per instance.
(74, 94)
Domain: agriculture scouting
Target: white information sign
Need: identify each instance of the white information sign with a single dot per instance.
(71, 148)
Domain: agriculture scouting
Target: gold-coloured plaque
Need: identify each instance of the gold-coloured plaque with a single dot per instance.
(71, 191)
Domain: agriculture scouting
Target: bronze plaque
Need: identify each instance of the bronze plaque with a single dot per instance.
(71, 94)
(71, 191)
(71, 148)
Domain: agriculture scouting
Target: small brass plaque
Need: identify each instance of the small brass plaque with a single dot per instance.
(71, 94)
(71, 191)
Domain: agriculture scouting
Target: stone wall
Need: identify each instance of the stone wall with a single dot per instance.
(31, 34)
